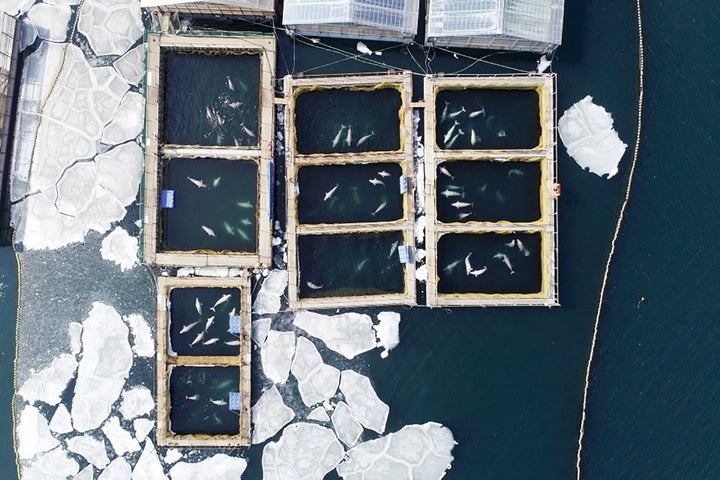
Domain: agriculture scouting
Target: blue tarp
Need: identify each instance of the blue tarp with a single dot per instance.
(405, 253)
(234, 402)
(235, 324)
(167, 198)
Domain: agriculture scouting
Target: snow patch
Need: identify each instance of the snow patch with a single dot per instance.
(420, 229)
(49, 383)
(364, 403)
(273, 287)
(305, 451)
(387, 331)
(217, 467)
(269, 415)
(119, 247)
(349, 334)
(421, 273)
(276, 355)
(33, 433)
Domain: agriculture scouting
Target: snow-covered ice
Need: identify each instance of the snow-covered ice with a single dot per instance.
(142, 427)
(90, 448)
(49, 383)
(143, 341)
(421, 273)
(60, 421)
(111, 26)
(273, 287)
(319, 415)
(119, 469)
(88, 473)
(120, 439)
(276, 355)
(136, 402)
(349, 334)
(33, 433)
(128, 121)
(105, 364)
(364, 403)
(388, 331)
(148, 466)
(415, 452)
(348, 429)
(75, 334)
(172, 456)
(317, 381)
(51, 21)
(130, 66)
(217, 467)
(53, 465)
(305, 451)
(260, 329)
(119, 247)
(269, 415)
(420, 229)
(587, 131)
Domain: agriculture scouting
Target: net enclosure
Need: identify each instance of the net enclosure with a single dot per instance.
(394, 20)
(524, 25)
(218, 7)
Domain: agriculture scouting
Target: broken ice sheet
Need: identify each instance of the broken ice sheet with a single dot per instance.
(364, 403)
(136, 402)
(268, 298)
(119, 247)
(60, 421)
(276, 355)
(222, 466)
(148, 466)
(51, 21)
(347, 428)
(119, 469)
(49, 383)
(317, 381)
(349, 334)
(90, 448)
(53, 465)
(269, 415)
(143, 340)
(33, 433)
(120, 439)
(111, 26)
(388, 331)
(305, 451)
(260, 329)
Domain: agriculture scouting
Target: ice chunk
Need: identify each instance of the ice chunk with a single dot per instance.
(414, 452)
(33, 433)
(319, 415)
(51, 21)
(105, 364)
(142, 427)
(119, 247)
(364, 403)
(148, 466)
(587, 131)
(87, 473)
(349, 334)
(347, 428)
(273, 287)
(143, 341)
(49, 383)
(217, 467)
(111, 26)
(305, 451)
(317, 381)
(136, 402)
(172, 456)
(421, 273)
(130, 66)
(75, 334)
(276, 355)
(388, 331)
(420, 254)
(90, 448)
(60, 421)
(128, 121)
(119, 469)
(120, 170)
(53, 465)
(260, 329)
(120, 439)
(269, 415)
(420, 229)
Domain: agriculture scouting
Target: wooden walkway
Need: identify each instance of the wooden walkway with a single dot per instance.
(545, 153)
(166, 361)
(261, 45)
(294, 160)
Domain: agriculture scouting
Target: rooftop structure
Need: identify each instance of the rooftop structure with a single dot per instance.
(525, 25)
(394, 20)
(219, 7)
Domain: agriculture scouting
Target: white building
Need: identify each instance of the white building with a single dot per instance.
(525, 25)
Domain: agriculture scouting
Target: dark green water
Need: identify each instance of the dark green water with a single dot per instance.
(8, 310)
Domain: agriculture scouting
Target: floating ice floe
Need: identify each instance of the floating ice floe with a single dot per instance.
(217, 467)
(349, 334)
(120, 170)
(143, 341)
(348, 429)
(276, 355)
(120, 439)
(305, 451)
(128, 121)
(33, 433)
(60, 421)
(317, 381)
(136, 402)
(119, 469)
(319, 415)
(269, 415)
(111, 26)
(49, 383)
(88, 473)
(148, 466)
(420, 229)
(388, 331)
(75, 334)
(260, 329)
(421, 273)
(119, 247)
(587, 131)
(53, 465)
(51, 21)
(142, 427)
(172, 456)
(90, 448)
(268, 298)
(414, 452)
(364, 403)
(131, 66)
(105, 364)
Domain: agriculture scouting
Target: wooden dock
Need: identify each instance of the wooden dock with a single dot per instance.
(166, 361)
(261, 45)
(545, 153)
(293, 160)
